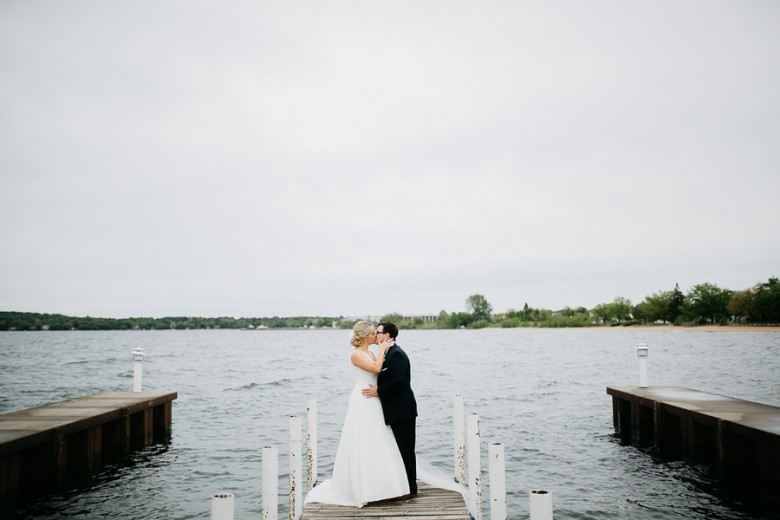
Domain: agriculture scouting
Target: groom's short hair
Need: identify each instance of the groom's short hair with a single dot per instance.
(391, 328)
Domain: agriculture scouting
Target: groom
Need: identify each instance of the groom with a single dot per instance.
(393, 387)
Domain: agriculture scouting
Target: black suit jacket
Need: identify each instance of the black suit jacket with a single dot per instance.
(394, 387)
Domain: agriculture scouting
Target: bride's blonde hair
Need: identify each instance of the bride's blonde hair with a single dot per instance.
(360, 331)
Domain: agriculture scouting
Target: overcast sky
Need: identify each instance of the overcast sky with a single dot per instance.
(360, 158)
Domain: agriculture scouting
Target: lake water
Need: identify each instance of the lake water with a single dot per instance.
(540, 392)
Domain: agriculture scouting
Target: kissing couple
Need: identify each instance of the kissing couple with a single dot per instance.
(375, 459)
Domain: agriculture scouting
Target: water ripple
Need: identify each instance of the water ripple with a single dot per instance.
(541, 393)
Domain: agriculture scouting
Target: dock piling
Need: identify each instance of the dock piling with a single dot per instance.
(138, 362)
(497, 471)
(296, 501)
(270, 507)
(311, 444)
(222, 506)
(642, 352)
(459, 447)
(475, 471)
(540, 504)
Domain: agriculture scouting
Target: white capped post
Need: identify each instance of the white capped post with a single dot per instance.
(475, 471)
(497, 471)
(311, 444)
(642, 352)
(270, 507)
(222, 507)
(296, 500)
(540, 504)
(459, 447)
(138, 363)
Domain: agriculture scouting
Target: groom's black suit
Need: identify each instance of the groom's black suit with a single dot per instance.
(399, 407)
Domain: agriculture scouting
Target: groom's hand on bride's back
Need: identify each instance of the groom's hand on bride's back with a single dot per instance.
(370, 391)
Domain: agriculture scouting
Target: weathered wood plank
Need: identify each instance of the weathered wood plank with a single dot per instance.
(741, 439)
(33, 426)
(430, 504)
(41, 446)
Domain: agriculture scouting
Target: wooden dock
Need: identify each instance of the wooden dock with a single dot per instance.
(740, 439)
(430, 504)
(43, 448)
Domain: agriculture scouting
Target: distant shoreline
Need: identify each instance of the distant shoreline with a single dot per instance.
(663, 328)
(699, 328)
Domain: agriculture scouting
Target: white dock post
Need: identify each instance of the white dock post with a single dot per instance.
(296, 500)
(270, 507)
(311, 444)
(475, 471)
(222, 507)
(641, 352)
(459, 446)
(540, 505)
(138, 363)
(497, 471)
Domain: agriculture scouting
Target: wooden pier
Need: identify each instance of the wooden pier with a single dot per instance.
(430, 504)
(740, 439)
(43, 448)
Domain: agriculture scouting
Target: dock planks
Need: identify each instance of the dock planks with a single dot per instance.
(42, 447)
(739, 439)
(430, 504)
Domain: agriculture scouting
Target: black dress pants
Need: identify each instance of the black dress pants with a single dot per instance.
(404, 433)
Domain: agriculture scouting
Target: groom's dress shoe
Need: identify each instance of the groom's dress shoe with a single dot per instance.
(408, 496)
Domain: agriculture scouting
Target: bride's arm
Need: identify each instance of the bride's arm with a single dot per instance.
(361, 361)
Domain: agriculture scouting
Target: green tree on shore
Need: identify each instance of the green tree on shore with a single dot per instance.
(676, 303)
(479, 308)
(707, 303)
(657, 307)
(765, 304)
(739, 306)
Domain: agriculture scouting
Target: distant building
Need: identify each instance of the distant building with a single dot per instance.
(427, 318)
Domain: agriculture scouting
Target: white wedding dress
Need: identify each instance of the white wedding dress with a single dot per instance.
(368, 465)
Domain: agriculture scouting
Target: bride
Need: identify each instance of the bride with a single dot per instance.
(368, 465)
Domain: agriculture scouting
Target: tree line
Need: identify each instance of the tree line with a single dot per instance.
(704, 303)
(36, 321)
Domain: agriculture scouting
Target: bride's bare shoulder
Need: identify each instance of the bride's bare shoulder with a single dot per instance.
(358, 357)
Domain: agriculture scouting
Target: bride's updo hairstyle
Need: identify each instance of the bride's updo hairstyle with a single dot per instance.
(360, 331)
